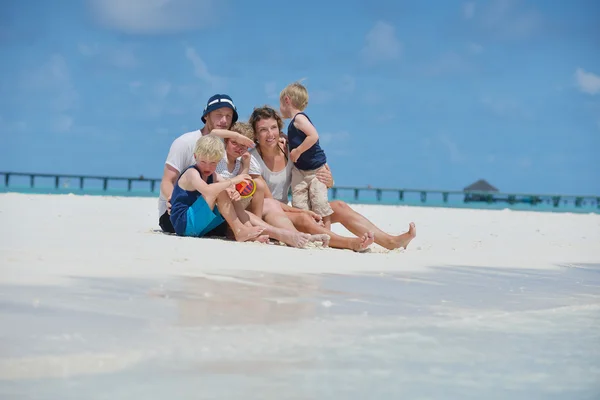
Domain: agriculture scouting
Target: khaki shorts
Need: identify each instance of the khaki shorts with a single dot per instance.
(308, 193)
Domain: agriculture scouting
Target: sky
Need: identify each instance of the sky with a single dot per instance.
(404, 93)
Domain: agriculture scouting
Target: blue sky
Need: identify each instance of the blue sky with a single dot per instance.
(413, 94)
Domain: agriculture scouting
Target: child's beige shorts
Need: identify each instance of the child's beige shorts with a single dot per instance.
(309, 193)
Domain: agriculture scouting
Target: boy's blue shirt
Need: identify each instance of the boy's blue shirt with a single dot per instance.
(312, 158)
(181, 200)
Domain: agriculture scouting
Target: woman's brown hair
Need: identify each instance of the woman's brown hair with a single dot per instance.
(265, 112)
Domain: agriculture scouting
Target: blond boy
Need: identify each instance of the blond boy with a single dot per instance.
(308, 193)
(193, 202)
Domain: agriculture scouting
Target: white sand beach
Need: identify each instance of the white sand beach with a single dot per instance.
(97, 303)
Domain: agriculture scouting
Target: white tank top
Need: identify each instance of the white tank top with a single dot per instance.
(279, 182)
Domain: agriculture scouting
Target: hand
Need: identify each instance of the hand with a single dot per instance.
(169, 205)
(294, 155)
(324, 176)
(241, 139)
(283, 141)
(241, 178)
(318, 219)
(246, 160)
(234, 195)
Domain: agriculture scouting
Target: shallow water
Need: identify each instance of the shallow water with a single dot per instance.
(464, 333)
(368, 198)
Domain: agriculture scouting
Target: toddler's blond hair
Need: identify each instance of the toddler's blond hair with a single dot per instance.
(244, 128)
(297, 93)
(209, 148)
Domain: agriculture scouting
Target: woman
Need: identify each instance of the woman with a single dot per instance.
(266, 213)
(270, 162)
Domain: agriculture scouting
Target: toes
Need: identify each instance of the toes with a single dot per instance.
(263, 238)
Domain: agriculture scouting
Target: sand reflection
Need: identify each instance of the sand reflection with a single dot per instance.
(253, 299)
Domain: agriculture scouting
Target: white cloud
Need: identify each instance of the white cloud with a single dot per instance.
(385, 117)
(450, 62)
(201, 70)
(587, 82)
(469, 10)
(153, 16)
(87, 50)
(119, 57)
(321, 96)
(188, 91)
(63, 123)
(347, 84)
(21, 126)
(381, 44)
(475, 48)
(505, 108)
(53, 79)
(524, 162)
(123, 58)
(336, 90)
(372, 98)
(335, 143)
(452, 148)
(8, 126)
(162, 89)
(333, 137)
(505, 18)
(135, 85)
(271, 90)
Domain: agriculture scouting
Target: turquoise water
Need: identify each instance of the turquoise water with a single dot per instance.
(367, 197)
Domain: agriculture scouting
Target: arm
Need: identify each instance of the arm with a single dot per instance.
(255, 173)
(302, 123)
(268, 194)
(227, 134)
(245, 169)
(178, 159)
(192, 179)
(284, 206)
(325, 177)
(231, 191)
(167, 183)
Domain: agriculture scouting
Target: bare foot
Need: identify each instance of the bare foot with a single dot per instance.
(293, 239)
(323, 238)
(404, 239)
(361, 243)
(262, 239)
(248, 233)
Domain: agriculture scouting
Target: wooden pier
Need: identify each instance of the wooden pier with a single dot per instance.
(153, 184)
(356, 194)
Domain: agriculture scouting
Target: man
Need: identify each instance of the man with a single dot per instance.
(219, 114)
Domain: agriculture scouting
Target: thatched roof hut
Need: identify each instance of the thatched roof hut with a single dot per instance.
(481, 186)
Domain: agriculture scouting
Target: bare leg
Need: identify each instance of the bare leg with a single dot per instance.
(327, 222)
(358, 225)
(274, 215)
(258, 199)
(285, 232)
(241, 231)
(291, 238)
(306, 224)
